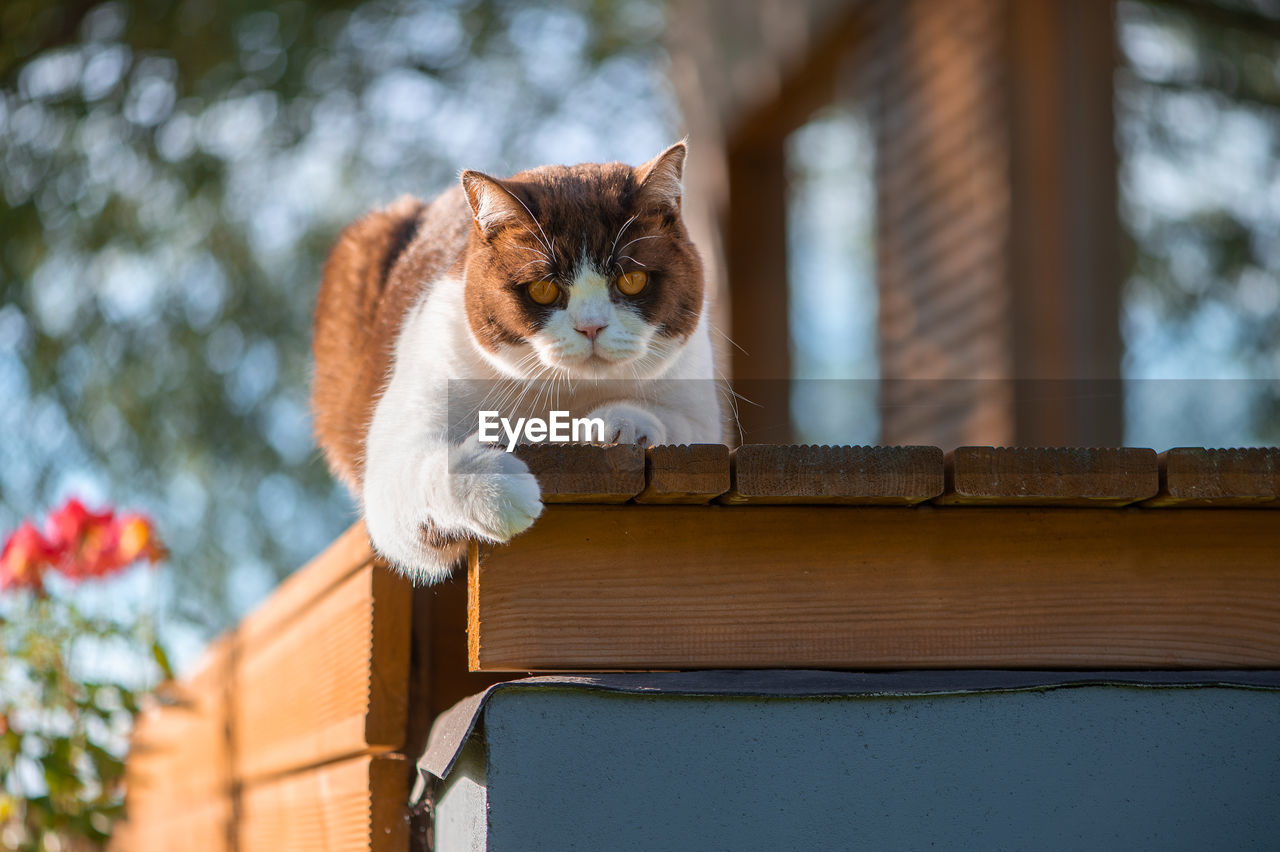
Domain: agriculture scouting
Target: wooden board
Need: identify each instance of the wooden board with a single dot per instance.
(672, 587)
(585, 473)
(346, 555)
(1194, 476)
(201, 826)
(781, 474)
(357, 804)
(688, 473)
(330, 683)
(179, 752)
(1054, 476)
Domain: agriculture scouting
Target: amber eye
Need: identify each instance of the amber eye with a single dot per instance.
(544, 292)
(632, 283)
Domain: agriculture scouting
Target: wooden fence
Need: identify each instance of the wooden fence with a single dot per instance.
(300, 728)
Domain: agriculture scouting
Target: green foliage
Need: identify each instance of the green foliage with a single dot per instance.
(1199, 120)
(63, 733)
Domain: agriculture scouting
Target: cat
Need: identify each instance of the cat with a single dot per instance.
(582, 277)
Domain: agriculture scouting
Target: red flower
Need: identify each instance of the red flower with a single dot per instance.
(82, 540)
(78, 544)
(135, 538)
(26, 556)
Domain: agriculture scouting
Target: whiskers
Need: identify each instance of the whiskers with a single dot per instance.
(723, 385)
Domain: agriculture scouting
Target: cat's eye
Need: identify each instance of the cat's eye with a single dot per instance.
(544, 292)
(632, 283)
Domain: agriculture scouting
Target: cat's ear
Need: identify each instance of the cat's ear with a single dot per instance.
(661, 180)
(492, 204)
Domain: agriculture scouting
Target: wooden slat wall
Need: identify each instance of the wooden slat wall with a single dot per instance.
(276, 744)
(328, 667)
(353, 804)
(179, 774)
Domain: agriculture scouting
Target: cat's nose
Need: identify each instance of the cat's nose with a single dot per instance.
(591, 330)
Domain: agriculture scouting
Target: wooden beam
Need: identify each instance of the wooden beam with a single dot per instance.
(756, 264)
(339, 663)
(1194, 476)
(349, 553)
(1051, 476)
(357, 805)
(678, 587)
(585, 473)
(808, 85)
(875, 476)
(180, 776)
(1064, 227)
(693, 473)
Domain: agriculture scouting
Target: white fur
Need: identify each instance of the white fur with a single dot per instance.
(423, 462)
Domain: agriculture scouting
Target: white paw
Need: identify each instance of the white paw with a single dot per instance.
(629, 424)
(494, 495)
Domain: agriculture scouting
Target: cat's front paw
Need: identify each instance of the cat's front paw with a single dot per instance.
(629, 424)
(494, 495)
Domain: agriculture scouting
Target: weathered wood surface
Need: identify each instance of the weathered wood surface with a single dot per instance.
(356, 804)
(779, 474)
(1194, 476)
(866, 588)
(688, 473)
(585, 473)
(1050, 476)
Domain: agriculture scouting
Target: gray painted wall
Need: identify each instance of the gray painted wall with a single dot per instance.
(1097, 767)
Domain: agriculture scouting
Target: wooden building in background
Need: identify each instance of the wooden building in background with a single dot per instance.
(998, 257)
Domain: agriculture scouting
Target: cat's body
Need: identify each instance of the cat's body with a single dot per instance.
(512, 295)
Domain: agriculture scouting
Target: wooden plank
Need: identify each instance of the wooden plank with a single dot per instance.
(585, 473)
(346, 555)
(356, 804)
(676, 587)
(330, 683)
(1054, 476)
(190, 826)
(878, 476)
(688, 473)
(179, 754)
(1194, 476)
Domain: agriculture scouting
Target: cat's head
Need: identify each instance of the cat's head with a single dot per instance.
(582, 270)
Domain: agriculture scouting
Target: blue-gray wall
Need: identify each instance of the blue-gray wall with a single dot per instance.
(1096, 767)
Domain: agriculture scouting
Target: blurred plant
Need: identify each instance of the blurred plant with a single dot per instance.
(63, 731)
(1198, 111)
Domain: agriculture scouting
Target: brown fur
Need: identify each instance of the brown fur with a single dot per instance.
(383, 263)
(581, 208)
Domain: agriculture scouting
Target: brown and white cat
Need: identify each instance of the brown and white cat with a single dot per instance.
(580, 276)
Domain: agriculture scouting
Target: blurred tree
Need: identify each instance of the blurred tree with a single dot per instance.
(173, 172)
(1199, 119)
